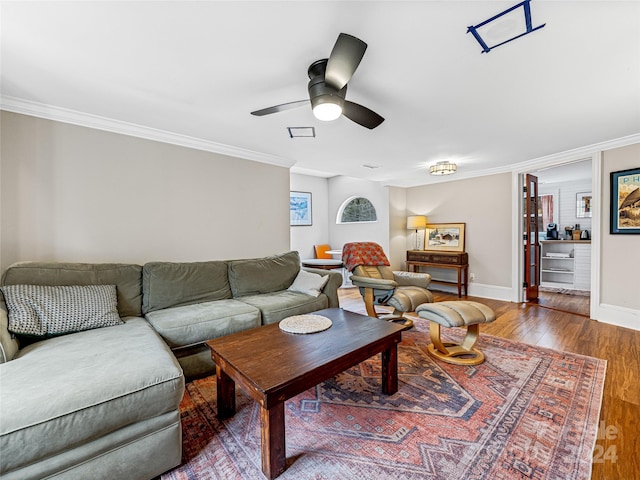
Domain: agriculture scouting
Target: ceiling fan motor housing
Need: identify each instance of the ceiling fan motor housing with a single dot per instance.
(320, 92)
(328, 86)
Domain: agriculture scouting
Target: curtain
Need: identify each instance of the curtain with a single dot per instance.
(546, 207)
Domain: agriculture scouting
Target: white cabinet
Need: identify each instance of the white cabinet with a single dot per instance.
(565, 264)
(582, 270)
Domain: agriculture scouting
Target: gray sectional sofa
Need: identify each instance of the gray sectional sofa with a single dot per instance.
(104, 402)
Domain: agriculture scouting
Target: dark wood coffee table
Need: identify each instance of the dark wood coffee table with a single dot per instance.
(271, 366)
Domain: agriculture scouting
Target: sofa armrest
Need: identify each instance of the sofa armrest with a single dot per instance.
(9, 345)
(412, 279)
(377, 283)
(331, 287)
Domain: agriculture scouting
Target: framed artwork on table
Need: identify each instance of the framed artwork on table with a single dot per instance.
(625, 201)
(299, 208)
(444, 237)
(583, 204)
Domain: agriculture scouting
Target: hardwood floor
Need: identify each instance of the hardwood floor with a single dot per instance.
(617, 451)
(578, 304)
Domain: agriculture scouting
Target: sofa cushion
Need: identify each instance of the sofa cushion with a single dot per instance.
(126, 277)
(263, 275)
(45, 311)
(171, 284)
(278, 305)
(193, 324)
(309, 283)
(67, 391)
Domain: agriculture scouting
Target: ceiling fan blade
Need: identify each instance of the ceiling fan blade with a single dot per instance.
(280, 108)
(344, 59)
(361, 115)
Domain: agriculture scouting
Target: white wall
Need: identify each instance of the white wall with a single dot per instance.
(343, 188)
(78, 194)
(564, 208)
(304, 237)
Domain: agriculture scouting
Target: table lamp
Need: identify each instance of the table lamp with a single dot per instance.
(416, 222)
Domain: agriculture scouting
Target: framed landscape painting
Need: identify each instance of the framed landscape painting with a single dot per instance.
(445, 237)
(583, 204)
(299, 208)
(625, 201)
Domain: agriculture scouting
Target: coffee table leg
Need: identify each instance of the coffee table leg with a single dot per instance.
(226, 394)
(272, 440)
(390, 370)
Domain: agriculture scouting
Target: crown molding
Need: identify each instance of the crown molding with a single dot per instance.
(576, 154)
(74, 117)
(568, 156)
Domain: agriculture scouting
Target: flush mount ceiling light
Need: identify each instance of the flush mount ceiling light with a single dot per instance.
(327, 107)
(504, 27)
(443, 168)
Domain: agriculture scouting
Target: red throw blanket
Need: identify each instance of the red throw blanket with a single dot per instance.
(363, 253)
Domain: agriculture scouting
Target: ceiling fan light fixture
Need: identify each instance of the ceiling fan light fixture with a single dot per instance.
(443, 168)
(326, 108)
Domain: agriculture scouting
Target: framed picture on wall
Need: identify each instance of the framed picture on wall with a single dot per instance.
(625, 201)
(583, 204)
(299, 208)
(444, 237)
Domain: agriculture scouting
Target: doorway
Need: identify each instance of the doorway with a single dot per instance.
(565, 253)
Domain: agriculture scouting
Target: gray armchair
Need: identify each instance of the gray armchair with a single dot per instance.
(379, 285)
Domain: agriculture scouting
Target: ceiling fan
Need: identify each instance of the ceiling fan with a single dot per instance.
(328, 86)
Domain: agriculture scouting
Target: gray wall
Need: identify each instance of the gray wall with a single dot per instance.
(484, 205)
(78, 194)
(620, 257)
(304, 237)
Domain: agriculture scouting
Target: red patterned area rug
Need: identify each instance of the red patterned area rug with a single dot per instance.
(527, 412)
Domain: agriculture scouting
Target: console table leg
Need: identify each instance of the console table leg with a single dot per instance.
(466, 280)
(226, 394)
(390, 370)
(273, 440)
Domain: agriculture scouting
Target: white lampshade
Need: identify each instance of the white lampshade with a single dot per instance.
(327, 111)
(416, 222)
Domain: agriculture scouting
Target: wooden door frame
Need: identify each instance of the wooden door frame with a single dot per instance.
(517, 184)
(531, 255)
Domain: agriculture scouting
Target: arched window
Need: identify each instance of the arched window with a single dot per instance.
(357, 209)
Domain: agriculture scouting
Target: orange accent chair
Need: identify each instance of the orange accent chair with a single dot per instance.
(323, 259)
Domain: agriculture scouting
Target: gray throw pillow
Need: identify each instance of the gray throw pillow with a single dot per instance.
(47, 311)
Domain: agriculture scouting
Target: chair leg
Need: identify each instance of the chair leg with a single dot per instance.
(449, 352)
(368, 302)
(407, 322)
(371, 311)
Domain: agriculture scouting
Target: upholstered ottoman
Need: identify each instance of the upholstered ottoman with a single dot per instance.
(456, 314)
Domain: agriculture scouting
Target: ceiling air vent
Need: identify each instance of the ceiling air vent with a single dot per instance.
(295, 132)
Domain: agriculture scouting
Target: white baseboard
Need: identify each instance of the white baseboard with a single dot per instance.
(612, 314)
(618, 316)
(491, 291)
(478, 290)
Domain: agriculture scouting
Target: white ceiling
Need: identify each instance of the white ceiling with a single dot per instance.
(196, 70)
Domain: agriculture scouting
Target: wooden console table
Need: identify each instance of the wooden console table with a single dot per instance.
(452, 260)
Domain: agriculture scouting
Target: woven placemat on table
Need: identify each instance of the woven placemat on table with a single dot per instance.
(305, 324)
